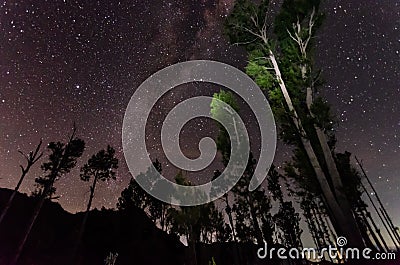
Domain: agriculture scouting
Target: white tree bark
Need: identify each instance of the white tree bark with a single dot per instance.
(322, 180)
(338, 205)
(327, 152)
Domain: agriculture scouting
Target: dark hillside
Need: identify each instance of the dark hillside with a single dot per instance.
(132, 235)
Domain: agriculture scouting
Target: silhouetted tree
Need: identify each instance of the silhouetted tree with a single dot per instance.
(61, 160)
(223, 146)
(100, 167)
(229, 228)
(157, 210)
(135, 196)
(286, 220)
(223, 140)
(31, 159)
(252, 209)
(196, 224)
(132, 196)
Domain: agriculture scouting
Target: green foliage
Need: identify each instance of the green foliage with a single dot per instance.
(212, 262)
(181, 180)
(224, 96)
(238, 25)
(251, 209)
(259, 68)
(322, 114)
(223, 140)
(293, 11)
(298, 73)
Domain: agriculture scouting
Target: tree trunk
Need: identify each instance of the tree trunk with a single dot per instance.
(394, 229)
(32, 221)
(11, 199)
(382, 208)
(31, 159)
(163, 214)
(320, 231)
(364, 229)
(83, 225)
(256, 225)
(393, 237)
(379, 215)
(340, 220)
(335, 176)
(192, 244)
(311, 226)
(228, 210)
(5, 210)
(384, 246)
(323, 225)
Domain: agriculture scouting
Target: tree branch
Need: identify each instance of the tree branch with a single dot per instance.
(297, 28)
(310, 27)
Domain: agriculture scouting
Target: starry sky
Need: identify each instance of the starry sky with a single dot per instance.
(68, 61)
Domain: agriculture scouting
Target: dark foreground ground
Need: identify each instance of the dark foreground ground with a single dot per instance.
(130, 234)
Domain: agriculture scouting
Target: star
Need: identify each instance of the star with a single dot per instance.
(80, 61)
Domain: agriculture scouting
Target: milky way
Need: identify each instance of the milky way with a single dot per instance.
(80, 61)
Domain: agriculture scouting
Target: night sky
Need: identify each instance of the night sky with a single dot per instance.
(80, 61)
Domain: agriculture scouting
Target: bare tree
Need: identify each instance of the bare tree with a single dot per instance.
(31, 159)
(61, 160)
